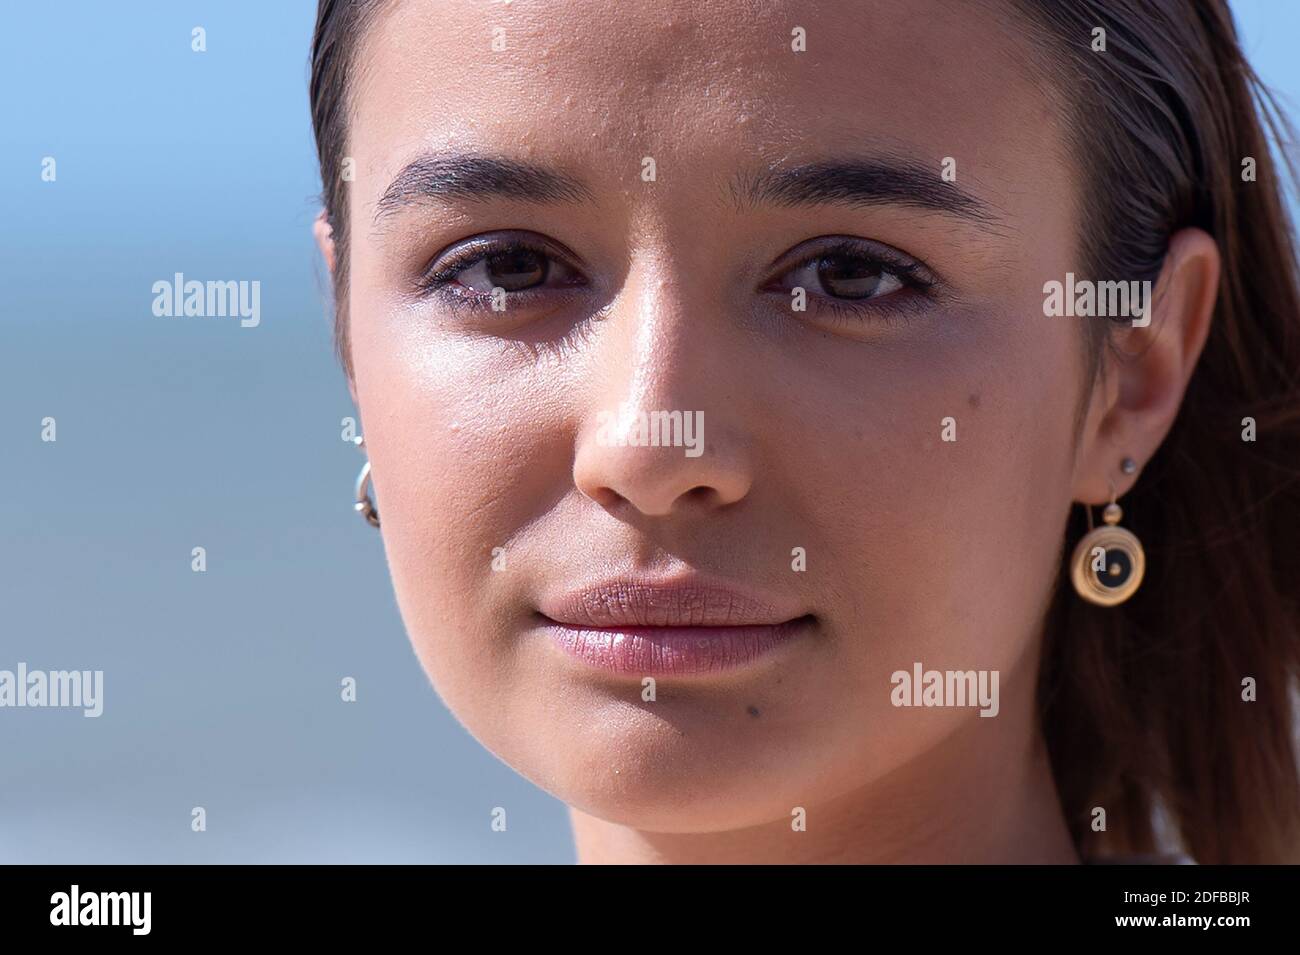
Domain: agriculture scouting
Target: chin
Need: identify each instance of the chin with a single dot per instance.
(672, 769)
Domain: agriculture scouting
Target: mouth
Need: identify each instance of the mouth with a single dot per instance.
(681, 626)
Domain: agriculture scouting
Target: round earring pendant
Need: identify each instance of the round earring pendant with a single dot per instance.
(1107, 566)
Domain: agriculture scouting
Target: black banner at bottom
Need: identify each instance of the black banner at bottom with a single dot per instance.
(332, 904)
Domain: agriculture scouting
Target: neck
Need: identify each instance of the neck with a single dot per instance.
(982, 795)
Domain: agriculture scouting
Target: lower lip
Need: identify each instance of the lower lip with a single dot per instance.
(678, 651)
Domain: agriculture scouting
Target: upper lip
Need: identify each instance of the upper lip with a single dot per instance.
(682, 601)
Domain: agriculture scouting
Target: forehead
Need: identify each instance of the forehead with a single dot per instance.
(714, 87)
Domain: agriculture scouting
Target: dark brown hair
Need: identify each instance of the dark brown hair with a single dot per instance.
(1142, 704)
(340, 26)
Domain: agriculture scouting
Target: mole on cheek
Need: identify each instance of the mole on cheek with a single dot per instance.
(973, 401)
(752, 711)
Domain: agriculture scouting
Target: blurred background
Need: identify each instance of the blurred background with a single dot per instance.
(221, 688)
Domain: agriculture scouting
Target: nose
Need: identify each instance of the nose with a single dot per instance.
(663, 432)
(632, 462)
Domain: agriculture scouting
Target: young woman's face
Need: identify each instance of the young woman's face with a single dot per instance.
(678, 171)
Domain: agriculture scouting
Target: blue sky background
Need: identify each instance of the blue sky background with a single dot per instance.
(222, 688)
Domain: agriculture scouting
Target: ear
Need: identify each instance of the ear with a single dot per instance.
(1145, 375)
(324, 233)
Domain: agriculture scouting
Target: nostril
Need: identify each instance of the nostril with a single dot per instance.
(605, 496)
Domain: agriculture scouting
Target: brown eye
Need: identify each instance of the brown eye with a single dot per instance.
(478, 268)
(854, 282)
(851, 271)
(513, 270)
(847, 276)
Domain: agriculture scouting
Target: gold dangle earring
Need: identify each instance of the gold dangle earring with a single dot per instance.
(364, 505)
(1108, 562)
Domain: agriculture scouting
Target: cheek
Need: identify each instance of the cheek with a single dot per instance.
(940, 483)
(933, 496)
(464, 453)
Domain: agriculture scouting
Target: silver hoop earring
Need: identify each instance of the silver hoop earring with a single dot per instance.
(364, 505)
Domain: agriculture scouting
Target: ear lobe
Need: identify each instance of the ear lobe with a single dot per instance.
(1146, 382)
(324, 233)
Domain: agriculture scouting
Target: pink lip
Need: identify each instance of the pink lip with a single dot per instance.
(680, 626)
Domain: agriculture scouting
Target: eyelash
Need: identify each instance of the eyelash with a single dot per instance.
(440, 282)
(916, 281)
(914, 278)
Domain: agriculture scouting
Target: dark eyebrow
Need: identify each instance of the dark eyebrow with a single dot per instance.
(877, 180)
(466, 176)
